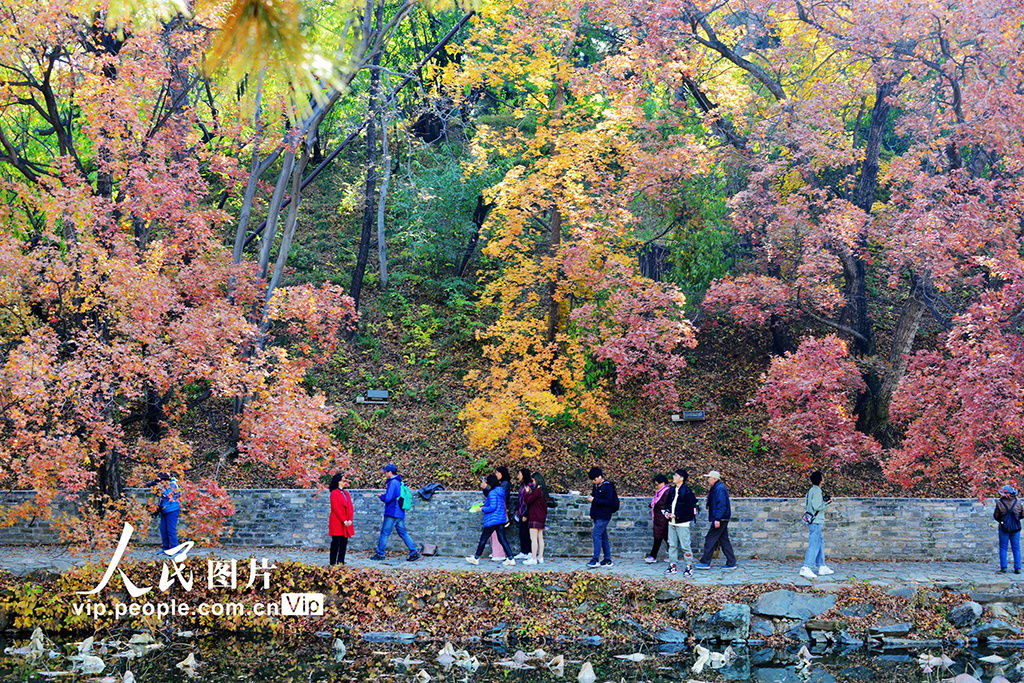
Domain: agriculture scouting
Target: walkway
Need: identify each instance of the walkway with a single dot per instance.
(21, 560)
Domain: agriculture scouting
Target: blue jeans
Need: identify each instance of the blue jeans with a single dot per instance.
(815, 556)
(601, 539)
(389, 525)
(169, 529)
(1008, 539)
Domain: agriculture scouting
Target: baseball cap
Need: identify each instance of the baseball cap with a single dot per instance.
(390, 467)
(713, 474)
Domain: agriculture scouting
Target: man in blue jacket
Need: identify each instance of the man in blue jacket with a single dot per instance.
(394, 515)
(719, 513)
(604, 502)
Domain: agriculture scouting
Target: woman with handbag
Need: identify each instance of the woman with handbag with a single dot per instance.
(1008, 513)
(340, 524)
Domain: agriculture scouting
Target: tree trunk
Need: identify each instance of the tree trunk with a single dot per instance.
(382, 245)
(479, 216)
(873, 405)
(369, 203)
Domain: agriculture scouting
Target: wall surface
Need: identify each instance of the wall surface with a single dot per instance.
(767, 528)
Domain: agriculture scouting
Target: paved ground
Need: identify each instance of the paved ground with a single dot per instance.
(21, 560)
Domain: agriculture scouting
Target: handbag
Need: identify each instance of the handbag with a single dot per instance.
(429, 550)
(808, 518)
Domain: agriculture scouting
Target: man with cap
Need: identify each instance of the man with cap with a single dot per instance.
(394, 515)
(719, 513)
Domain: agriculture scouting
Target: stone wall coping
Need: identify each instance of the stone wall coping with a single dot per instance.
(583, 493)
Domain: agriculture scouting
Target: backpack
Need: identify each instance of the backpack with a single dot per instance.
(1010, 523)
(405, 498)
(615, 500)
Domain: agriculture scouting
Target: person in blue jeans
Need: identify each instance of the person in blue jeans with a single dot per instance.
(394, 515)
(169, 508)
(814, 513)
(604, 502)
(1008, 513)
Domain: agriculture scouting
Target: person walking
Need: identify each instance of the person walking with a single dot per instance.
(524, 479)
(1008, 513)
(340, 524)
(719, 513)
(604, 502)
(682, 509)
(495, 517)
(536, 517)
(394, 515)
(814, 514)
(497, 552)
(168, 506)
(659, 516)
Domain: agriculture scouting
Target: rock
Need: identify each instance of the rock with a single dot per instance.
(3, 618)
(732, 622)
(905, 592)
(892, 631)
(761, 627)
(911, 643)
(985, 597)
(678, 612)
(776, 675)
(1002, 610)
(798, 633)
(792, 605)
(857, 673)
(823, 625)
(857, 611)
(993, 629)
(389, 637)
(848, 640)
(965, 614)
(670, 635)
(665, 595)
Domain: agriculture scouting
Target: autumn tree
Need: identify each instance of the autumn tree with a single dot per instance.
(883, 146)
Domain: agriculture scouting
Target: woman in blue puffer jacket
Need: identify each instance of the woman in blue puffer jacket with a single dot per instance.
(495, 517)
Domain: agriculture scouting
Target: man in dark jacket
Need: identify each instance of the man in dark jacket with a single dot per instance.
(604, 502)
(719, 513)
(394, 515)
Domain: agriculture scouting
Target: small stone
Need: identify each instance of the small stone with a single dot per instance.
(665, 595)
(893, 631)
(1002, 610)
(732, 622)
(860, 610)
(671, 635)
(994, 629)
(965, 614)
(389, 637)
(792, 605)
(905, 592)
(761, 627)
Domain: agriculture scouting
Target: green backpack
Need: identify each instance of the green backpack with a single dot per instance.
(405, 498)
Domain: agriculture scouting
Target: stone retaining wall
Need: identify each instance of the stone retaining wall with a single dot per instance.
(766, 528)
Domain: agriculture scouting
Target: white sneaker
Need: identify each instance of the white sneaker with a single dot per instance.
(522, 556)
(824, 571)
(649, 560)
(529, 560)
(498, 559)
(508, 563)
(473, 560)
(808, 573)
(540, 561)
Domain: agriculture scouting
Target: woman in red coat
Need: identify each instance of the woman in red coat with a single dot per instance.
(340, 524)
(536, 499)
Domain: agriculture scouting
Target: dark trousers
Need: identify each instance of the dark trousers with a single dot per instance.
(485, 538)
(339, 544)
(718, 537)
(655, 548)
(524, 537)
